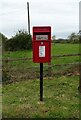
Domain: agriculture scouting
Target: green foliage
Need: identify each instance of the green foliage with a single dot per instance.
(3, 40)
(65, 41)
(73, 38)
(60, 40)
(53, 37)
(21, 41)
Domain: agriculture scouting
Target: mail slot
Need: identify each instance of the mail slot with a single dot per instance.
(41, 44)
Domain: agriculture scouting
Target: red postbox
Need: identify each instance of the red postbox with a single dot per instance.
(41, 44)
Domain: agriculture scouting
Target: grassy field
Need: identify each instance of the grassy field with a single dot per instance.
(15, 67)
(57, 49)
(61, 99)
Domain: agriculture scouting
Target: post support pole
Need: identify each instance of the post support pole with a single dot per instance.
(41, 81)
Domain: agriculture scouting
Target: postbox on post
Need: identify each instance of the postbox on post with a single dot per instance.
(41, 44)
(41, 50)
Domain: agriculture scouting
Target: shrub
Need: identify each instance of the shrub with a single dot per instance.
(21, 41)
(3, 40)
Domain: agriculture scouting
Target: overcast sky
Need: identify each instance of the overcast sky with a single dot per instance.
(61, 15)
(80, 16)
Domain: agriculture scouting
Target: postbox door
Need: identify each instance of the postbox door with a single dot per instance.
(41, 52)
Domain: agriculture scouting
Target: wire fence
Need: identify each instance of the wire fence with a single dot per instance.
(15, 59)
(15, 69)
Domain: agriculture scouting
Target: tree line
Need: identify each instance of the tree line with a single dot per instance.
(23, 41)
(72, 38)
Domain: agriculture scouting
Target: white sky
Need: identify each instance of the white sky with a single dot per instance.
(61, 15)
(80, 16)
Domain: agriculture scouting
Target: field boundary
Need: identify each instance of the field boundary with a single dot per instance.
(31, 72)
(15, 59)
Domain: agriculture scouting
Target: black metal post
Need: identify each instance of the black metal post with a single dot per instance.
(41, 81)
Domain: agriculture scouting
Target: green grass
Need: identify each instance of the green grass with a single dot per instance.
(57, 49)
(18, 54)
(65, 49)
(61, 99)
(60, 49)
(21, 67)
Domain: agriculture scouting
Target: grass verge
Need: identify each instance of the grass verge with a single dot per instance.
(61, 98)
